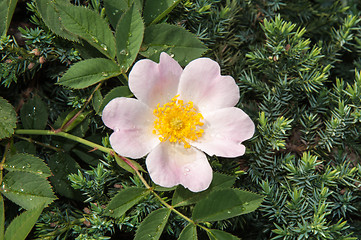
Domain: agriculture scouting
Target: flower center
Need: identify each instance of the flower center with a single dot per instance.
(178, 122)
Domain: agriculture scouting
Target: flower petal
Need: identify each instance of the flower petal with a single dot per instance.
(154, 83)
(171, 164)
(201, 82)
(132, 122)
(224, 130)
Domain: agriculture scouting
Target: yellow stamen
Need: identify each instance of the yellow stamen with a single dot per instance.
(178, 122)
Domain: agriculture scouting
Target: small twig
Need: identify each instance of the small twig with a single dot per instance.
(39, 143)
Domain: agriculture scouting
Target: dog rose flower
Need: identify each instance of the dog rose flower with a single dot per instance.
(178, 115)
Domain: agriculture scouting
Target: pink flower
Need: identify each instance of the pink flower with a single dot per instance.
(178, 115)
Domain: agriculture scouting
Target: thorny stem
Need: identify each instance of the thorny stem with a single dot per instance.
(106, 150)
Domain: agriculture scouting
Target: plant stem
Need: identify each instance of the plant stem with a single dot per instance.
(39, 143)
(7, 147)
(66, 125)
(66, 135)
(106, 150)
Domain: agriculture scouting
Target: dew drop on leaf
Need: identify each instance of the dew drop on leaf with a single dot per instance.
(105, 48)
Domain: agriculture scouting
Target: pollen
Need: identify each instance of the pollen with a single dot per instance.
(178, 122)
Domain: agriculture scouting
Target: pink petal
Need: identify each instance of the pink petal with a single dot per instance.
(132, 122)
(171, 164)
(154, 83)
(201, 82)
(224, 130)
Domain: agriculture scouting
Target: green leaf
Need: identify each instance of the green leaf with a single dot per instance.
(64, 143)
(50, 15)
(122, 91)
(226, 203)
(25, 147)
(174, 40)
(97, 101)
(80, 118)
(124, 200)
(129, 37)
(34, 114)
(156, 10)
(87, 154)
(215, 234)
(88, 72)
(2, 218)
(21, 226)
(184, 197)
(7, 119)
(189, 233)
(126, 167)
(114, 10)
(27, 190)
(163, 189)
(62, 165)
(152, 226)
(7, 8)
(88, 25)
(27, 163)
